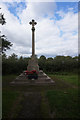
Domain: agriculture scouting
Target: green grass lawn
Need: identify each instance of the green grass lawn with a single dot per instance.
(71, 79)
(9, 96)
(6, 79)
(62, 97)
(64, 102)
(8, 100)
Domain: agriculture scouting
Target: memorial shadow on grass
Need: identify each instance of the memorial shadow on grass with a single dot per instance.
(57, 101)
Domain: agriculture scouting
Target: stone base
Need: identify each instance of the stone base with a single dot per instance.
(43, 79)
(33, 64)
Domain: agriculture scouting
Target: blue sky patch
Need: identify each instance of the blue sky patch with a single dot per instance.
(61, 33)
(65, 6)
(75, 32)
(15, 7)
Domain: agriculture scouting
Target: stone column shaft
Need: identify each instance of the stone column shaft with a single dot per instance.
(33, 42)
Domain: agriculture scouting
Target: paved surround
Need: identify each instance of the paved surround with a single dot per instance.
(43, 79)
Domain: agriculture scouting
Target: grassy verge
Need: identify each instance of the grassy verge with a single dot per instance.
(72, 79)
(63, 104)
(10, 98)
(6, 79)
(69, 78)
(63, 100)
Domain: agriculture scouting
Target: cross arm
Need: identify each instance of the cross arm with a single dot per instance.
(30, 23)
(35, 23)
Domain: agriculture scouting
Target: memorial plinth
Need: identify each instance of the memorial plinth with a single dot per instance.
(33, 64)
(43, 79)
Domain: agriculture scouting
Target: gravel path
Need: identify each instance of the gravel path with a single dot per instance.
(31, 105)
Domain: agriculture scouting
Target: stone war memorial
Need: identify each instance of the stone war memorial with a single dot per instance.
(33, 63)
(33, 76)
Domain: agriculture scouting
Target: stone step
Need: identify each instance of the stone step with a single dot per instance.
(21, 80)
(32, 83)
(42, 76)
(25, 76)
(40, 72)
(43, 79)
(38, 80)
(39, 77)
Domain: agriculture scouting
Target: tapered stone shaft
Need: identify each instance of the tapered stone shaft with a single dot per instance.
(33, 42)
(33, 23)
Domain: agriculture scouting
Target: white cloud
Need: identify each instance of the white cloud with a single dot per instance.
(60, 13)
(16, 33)
(37, 11)
(40, 0)
(69, 23)
(53, 37)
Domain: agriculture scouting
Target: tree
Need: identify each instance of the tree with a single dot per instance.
(41, 62)
(13, 57)
(49, 65)
(4, 43)
(2, 19)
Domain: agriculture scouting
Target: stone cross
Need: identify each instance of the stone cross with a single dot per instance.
(33, 23)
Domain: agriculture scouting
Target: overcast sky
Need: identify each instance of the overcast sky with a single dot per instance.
(56, 32)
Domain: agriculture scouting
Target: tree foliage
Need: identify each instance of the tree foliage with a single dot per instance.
(15, 65)
(4, 43)
(2, 19)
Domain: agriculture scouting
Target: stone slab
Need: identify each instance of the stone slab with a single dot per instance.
(43, 79)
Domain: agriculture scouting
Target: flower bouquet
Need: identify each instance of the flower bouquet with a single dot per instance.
(32, 74)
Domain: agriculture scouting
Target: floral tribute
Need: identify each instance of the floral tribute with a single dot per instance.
(32, 74)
